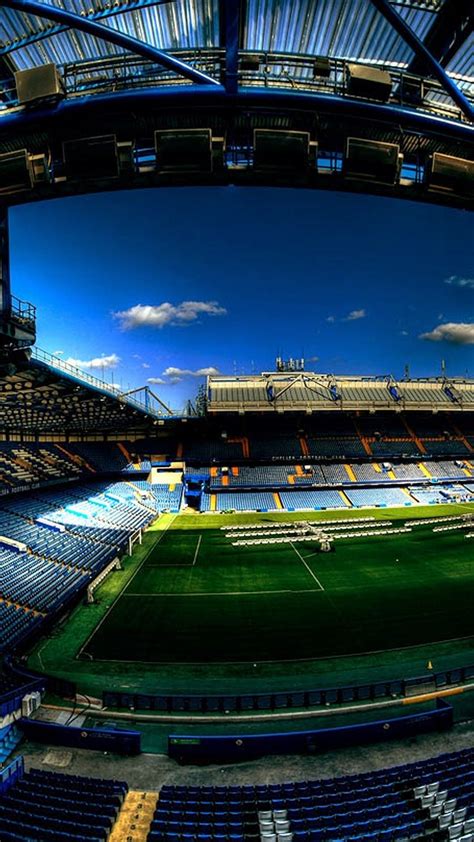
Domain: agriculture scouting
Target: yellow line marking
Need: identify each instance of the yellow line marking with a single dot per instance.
(350, 473)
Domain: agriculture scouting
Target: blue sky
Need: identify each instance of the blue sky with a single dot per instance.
(163, 285)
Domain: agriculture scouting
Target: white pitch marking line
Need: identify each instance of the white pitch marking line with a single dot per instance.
(308, 568)
(224, 593)
(197, 549)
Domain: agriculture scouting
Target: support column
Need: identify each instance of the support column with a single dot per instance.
(231, 9)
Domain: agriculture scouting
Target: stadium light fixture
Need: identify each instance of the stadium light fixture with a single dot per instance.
(91, 157)
(180, 151)
(15, 171)
(281, 151)
(372, 160)
(450, 174)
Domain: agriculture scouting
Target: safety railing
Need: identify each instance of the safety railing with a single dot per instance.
(110, 389)
(23, 312)
(294, 72)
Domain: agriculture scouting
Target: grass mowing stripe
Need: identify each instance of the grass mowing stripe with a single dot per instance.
(308, 568)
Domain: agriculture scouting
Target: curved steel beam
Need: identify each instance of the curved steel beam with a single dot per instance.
(125, 42)
(120, 8)
(92, 106)
(420, 50)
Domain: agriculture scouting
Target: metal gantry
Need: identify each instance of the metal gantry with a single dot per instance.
(412, 34)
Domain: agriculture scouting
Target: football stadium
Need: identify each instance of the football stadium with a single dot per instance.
(251, 617)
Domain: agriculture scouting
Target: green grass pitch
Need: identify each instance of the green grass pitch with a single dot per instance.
(198, 599)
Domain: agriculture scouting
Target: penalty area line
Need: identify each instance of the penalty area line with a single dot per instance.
(308, 568)
(220, 593)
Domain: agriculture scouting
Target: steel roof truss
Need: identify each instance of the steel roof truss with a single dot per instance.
(423, 53)
(113, 36)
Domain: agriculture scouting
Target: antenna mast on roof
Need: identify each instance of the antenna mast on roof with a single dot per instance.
(296, 365)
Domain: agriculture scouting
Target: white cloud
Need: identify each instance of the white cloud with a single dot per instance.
(351, 317)
(160, 315)
(177, 374)
(104, 362)
(58, 353)
(459, 333)
(172, 371)
(403, 333)
(456, 281)
(354, 315)
(145, 365)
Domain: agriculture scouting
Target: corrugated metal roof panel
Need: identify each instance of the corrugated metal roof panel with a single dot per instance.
(304, 26)
(463, 64)
(184, 24)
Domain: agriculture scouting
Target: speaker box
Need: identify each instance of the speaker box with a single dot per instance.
(184, 150)
(282, 151)
(15, 171)
(321, 67)
(411, 91)
(38, 84)
(250, 62)
(368, 82)
(372, 160)
(449, 173)
(91, 157)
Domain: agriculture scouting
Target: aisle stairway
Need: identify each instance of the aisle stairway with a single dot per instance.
(135, 817)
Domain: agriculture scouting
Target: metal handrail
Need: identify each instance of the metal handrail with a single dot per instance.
(111, 390)
(283, 70)
(23, 311)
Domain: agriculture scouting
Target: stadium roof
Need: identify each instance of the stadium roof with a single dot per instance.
(346, 29)
(368, 95)
(302, 26)
(311, 392)
(47, 396)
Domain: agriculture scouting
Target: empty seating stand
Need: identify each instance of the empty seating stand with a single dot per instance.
(15, 624)
(70, 535)
(377, 497)
(431, 799)
(49, 807)
(25, 465)
(329, 499)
